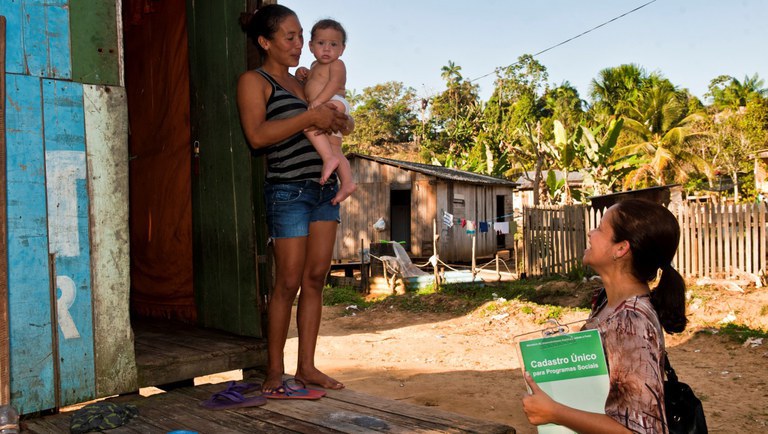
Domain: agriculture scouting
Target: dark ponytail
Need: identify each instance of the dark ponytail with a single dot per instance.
(668, 298)
(653, 234)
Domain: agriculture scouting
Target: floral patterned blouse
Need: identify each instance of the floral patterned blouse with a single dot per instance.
(633, 342)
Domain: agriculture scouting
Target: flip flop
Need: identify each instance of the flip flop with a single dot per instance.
(242, 388)
(299, 390)
(231, 399)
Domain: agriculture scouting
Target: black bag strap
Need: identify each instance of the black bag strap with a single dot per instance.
(671, 375)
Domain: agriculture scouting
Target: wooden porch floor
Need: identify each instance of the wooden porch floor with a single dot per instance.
(169, 352)
(173, 354)
(344, 411)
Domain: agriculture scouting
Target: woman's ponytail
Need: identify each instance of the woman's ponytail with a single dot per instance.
(668, 298)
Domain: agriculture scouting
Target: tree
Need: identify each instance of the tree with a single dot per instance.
(661, 135)
(453, 122)
(564, 104)
(515, 109)
(562, 155)
(384, 113)
(603, 170)
(728, 92)
(734, 136)
(617, 89)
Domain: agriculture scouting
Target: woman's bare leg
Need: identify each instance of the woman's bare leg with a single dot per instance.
(322, 236)
(289, 263)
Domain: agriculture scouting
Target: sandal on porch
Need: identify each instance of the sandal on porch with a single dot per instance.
(231, 399)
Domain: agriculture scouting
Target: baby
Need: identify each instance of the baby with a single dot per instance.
(325, 82)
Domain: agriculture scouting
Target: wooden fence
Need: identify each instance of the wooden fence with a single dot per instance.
(554, 239)
(715, 240)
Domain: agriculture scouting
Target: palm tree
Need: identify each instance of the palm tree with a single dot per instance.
(450, 73)
(728, 92)
(661, 130)
(616, 89)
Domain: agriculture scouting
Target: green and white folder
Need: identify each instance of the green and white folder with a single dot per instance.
(569, 367)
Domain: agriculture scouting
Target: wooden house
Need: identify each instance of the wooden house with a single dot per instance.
(409, 197)
(761, 173)
(130, 194)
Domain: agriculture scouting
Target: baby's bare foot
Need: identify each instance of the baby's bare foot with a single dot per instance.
(344, 192)
(329, 166)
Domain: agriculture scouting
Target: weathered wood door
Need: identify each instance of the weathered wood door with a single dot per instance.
(228, 230)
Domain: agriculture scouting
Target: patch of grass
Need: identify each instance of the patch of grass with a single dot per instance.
(344, 295)
(461, 298)
(555, 312)
(741, 333)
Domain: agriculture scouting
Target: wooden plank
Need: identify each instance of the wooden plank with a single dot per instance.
(228, 242)
(106, 128)
(722, 239)
(738, 238)
(69, 236)
(752, 235)
(701, 236)
(686, 244)
(181, 352)
(13, 60)
(95, 52)
(342, 411)
(31, 339)
(763, 237)
(253, 419)
(709, 240)
(5, 368)
(45, 38)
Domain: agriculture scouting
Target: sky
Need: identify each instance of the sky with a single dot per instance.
(690, 42)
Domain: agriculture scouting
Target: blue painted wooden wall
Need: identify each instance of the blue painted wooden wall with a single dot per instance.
(29, 295)
(68, 236)
(50, 291)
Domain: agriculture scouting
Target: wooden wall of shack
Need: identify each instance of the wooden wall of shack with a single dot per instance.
(430, 196)
(67, 204)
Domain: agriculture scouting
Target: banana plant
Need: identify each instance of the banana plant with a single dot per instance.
(602, 169)
(562, 154)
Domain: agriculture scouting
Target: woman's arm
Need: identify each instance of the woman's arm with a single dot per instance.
(541, 409)
(252, 95)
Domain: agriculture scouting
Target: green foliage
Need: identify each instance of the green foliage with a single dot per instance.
(603, 170)
(383, 113)
(555, 312)
(342, 295)
(741, 333)
(616, 89)
(638, 130)
(729, 93)
(453, 123)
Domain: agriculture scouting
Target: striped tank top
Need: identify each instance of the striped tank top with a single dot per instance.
(293, 159)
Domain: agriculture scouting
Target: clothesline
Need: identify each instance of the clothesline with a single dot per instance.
(471, 225)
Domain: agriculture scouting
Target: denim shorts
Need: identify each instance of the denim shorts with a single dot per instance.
(292, 206)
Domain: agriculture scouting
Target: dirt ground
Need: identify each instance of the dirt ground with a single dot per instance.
(466, 362)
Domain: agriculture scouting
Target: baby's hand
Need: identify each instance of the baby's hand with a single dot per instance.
(314, 104)
(301, 74)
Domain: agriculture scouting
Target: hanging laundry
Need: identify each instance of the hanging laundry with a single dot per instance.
(470, 227)
(501, 228)
(448, 219)
(463, 222)
(483, 227)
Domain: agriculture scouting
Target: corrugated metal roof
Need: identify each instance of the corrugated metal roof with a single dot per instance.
(441, 172)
